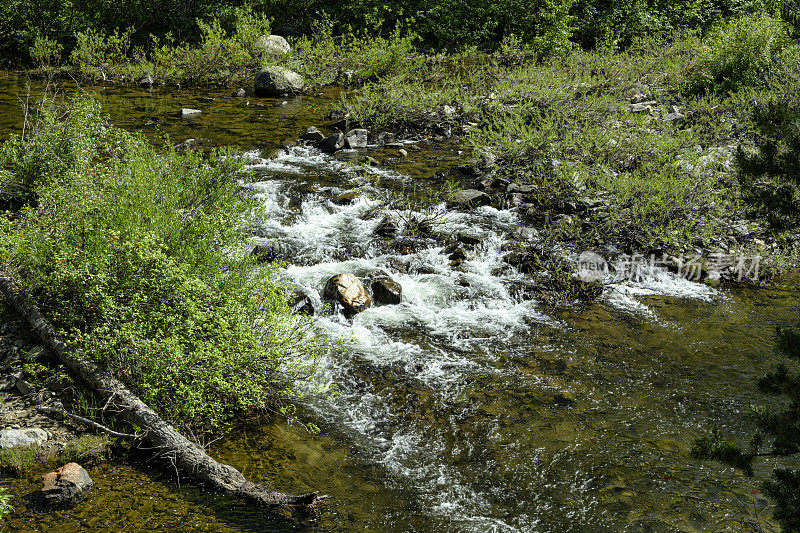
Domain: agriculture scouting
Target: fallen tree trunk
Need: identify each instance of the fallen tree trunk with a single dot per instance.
(188, 456)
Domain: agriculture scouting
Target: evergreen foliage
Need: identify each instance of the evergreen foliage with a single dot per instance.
(782, 428)
(770, 177)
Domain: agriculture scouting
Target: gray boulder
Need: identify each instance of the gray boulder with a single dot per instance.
(471, 198)
(643, 107)
(348, 291)
(11, 438)
(385, 138)
(356, 138)
(8, 381)
(67, 485)
(275, 81)
(274, 45)
(312, 134)
(187, 112)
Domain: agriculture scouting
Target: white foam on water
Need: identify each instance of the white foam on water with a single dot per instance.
(658, 282)
(449, 324)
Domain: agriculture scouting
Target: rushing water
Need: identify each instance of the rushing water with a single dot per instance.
(469, 406)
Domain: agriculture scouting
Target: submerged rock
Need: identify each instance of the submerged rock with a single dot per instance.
(312, 134)
(146, 81)
(385, 138)
(67, 485)
(275, 81)
(187, 112)
(387, 291)
(11, 438)
(349, 292)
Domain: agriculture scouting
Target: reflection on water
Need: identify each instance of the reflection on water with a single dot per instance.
(466, 407)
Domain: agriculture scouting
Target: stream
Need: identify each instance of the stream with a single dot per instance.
(471, 406)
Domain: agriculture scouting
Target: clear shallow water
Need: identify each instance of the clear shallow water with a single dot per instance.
(467, 407)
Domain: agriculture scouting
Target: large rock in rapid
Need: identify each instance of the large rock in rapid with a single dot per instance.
(331, 143)
(387, 291)
(387, 227)
(301, 303)
(67, 485)
(356, 138)
(349, 292)
(11, 438)
(268, 251)
(273, 45)
(275, 81)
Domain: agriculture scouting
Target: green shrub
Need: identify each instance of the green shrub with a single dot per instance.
(133, 255)
(19, 459)
(96, 51)
(741, 52)
(356, 59)
(45, 52)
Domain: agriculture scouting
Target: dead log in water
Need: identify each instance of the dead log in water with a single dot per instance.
(188, 456)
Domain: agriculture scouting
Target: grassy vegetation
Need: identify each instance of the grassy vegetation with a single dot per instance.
(19, 459)
(86, 449)
(566, 125)
(132, 253)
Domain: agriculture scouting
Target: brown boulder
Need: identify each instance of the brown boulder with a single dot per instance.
(349, 292)
(67, 485)
(387, 291)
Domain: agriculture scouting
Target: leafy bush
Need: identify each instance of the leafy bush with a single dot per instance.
(133, 255)
(45, 51)
(356, 59)
(96, 51)
(741, 52)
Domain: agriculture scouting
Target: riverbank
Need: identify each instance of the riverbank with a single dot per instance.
(637, 147)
